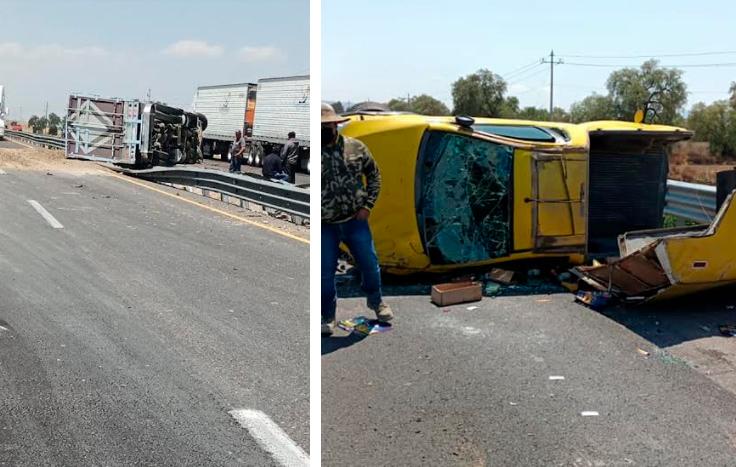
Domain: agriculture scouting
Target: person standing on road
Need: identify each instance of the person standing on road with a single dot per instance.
(290, 156)
(236, 152)
(346, 205)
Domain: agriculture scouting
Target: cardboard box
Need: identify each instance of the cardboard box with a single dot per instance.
(456, 292)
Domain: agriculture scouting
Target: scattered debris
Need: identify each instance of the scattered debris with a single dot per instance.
(502, 276)
(471, 308)
(458, 292)
(491, 289)
(364, 326)
(49, 173)
(514, 403)
(556, 378)
(643, 352)
(568, 281)
(589, 413)
(593, 299)
(543, 300)
(728, 330)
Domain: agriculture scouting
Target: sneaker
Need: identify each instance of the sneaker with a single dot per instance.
(383, 312)
(328, 327)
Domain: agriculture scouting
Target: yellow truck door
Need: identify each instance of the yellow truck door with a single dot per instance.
(559, 188)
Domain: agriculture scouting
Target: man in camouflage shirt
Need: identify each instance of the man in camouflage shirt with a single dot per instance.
(346, 205)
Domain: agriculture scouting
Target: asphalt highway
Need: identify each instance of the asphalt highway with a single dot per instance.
(128, 334)
(528, 380)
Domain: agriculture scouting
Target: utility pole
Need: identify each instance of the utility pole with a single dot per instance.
(46, 112)
(552, 64)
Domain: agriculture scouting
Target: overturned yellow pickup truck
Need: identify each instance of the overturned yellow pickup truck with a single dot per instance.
(459, 192)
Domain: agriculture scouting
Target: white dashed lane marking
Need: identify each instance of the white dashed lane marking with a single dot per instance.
(45, 214)
(271, 437)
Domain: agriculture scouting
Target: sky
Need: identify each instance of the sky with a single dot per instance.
(383, 49)
(117, 48)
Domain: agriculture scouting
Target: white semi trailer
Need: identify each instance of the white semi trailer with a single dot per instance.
(265, 113)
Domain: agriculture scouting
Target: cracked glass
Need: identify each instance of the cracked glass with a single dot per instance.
(464, 202)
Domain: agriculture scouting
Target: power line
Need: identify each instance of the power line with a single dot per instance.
(537, 72)
(618, 65)
(522, 69)
(687, 54)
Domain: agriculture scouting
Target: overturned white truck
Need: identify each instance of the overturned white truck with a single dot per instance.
(131, 132)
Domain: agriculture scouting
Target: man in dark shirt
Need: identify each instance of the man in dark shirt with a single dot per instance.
(272, 168)
(290, 156)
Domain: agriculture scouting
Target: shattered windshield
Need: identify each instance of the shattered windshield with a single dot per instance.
(464, 198)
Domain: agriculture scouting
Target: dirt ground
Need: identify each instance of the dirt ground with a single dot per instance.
(49, 160)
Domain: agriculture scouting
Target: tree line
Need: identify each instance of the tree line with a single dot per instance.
(659, 92)
(54, 124)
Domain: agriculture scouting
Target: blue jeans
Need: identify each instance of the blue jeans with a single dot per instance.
(235, 163)
(357, 237)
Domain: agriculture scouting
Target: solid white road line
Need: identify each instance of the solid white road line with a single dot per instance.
(45, 214)
(2, 172)
(271, 437)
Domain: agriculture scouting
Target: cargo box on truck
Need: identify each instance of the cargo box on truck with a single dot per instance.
(282, 106)
(132, 133)
(228, 108)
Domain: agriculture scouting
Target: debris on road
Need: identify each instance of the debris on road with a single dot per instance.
(456, 292)
(491, 289)
(589, 413)
(556, 378)
(593, 299)
(672, 262)
(501, 276)
(471, 308)
(364, 326)
(728, 330)
(643, 352)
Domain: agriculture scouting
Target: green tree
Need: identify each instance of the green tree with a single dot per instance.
(593, 107)
(715, 123)
(630, 89)
(54, 124)
(33, 122)
(510, 107)
(426, 105)
(398, 105)
(480, 94)
(42, 124)
(339, 108)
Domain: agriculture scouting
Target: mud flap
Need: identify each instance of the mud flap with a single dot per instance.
(666, 263)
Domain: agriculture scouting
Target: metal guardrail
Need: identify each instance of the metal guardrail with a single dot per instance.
(279, 196)
(691, 201)
(48, 141)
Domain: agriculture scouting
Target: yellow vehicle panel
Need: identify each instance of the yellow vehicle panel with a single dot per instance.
(436, 211)
(668, 263)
